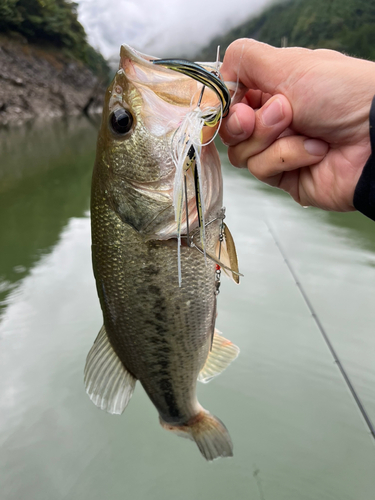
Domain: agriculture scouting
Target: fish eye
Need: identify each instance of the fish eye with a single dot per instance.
(121, 121)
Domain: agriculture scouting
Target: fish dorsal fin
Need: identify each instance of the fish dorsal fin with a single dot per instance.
(228, 255)
(222, 353)
(108, 384)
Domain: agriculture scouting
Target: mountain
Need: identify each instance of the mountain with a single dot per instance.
(344, 25)
(47, 67)
(51, 23)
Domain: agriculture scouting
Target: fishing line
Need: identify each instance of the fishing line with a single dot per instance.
(186, 143)
(238, 72)
(325, 336)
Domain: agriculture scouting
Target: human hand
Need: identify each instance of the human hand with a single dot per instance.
(304, 124)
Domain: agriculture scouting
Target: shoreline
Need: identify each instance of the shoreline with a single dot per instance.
(40, 83)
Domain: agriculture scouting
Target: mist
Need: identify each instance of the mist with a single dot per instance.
(162, 28)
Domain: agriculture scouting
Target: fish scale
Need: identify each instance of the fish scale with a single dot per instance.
(142, 306)
(154, 331)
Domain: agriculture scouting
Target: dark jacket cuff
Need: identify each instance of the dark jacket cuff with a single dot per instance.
(364, 194)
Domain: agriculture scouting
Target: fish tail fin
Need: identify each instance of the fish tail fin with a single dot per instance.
(209, 433)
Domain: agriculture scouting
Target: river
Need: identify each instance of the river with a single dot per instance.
(297, 432)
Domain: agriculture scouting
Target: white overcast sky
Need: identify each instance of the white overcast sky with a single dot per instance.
(156, 26)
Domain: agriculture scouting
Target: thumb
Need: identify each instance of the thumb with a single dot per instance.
(260, 66)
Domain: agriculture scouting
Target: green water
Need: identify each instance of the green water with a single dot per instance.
(296, 430)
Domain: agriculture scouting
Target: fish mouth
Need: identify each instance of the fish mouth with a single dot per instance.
(208, 78)
(163, 69)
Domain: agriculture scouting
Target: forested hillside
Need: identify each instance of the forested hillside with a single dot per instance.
(47, 67)
(53, 23)
(344, 25)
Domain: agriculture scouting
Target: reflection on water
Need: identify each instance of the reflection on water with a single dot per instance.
(44, 181)
(297, 433)
(360, 229)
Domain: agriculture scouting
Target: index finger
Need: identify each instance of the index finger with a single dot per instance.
(260, 66)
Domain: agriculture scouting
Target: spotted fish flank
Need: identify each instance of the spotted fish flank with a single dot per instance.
(155, 330)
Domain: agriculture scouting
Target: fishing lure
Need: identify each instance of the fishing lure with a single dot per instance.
(187, 142)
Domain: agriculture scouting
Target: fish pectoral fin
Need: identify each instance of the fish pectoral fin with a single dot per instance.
(108, 383)
(222, 353)
(228, 255)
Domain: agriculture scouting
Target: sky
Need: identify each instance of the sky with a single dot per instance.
(159, 27)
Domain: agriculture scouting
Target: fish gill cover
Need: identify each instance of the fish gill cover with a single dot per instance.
(158, 294)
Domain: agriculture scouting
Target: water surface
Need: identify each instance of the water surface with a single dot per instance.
(296, 430)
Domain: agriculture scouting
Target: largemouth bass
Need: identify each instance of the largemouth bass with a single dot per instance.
(157, 330)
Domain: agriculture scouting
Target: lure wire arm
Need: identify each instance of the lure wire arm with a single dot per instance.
(201, 96)
(202, 75)
(187, 211)
(191, 243)
(211, 118)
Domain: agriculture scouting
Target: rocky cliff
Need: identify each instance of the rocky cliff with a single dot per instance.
(38, 83)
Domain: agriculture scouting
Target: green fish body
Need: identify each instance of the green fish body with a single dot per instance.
(154, 331)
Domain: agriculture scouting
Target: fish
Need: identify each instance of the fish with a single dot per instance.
(158, 277)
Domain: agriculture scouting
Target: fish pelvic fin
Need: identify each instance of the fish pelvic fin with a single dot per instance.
(108, 383)
(209, 433)
(222, 353)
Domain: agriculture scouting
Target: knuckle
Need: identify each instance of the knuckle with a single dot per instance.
(237, 47)
(223, 136)
(256, 168)
(232, 156)
(238, 43)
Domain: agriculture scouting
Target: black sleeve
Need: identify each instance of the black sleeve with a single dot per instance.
(364, 194)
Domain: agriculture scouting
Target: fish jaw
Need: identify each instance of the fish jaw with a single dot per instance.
(162, 333)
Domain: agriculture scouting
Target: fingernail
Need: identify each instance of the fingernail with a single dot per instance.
(316, 147)
(273, 113)
(234, 126)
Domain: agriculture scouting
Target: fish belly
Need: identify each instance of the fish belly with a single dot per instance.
(161, 332)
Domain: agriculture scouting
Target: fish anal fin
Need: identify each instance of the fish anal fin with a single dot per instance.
(108, 383)
(222, 353)
(228, 255)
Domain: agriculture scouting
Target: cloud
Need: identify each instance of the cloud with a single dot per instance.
(161, 28)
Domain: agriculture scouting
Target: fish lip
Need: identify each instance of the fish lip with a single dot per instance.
(200, 74)
(128, 52)
(191, 69)
(136, 56)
